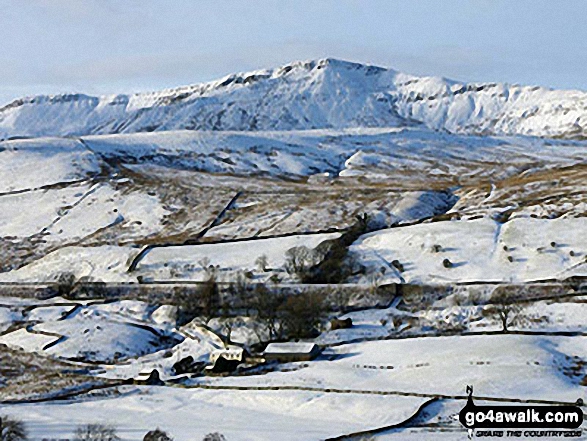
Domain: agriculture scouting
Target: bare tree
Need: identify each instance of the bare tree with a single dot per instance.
(374, 280)
(214, 437)
(204, 262)
(298, 260)
(267, 306)
(229, 322)
(66, 283)
(262, 263)
(12, 429)
(95, 432)
(228, 325)
(505, 308)
(240, 289)
(302, 314)
(188, 304)
(157, 435)
(340, 298)
(210, 298)
(87, 286)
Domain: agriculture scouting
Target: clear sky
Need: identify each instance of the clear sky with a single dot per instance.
(113, 46)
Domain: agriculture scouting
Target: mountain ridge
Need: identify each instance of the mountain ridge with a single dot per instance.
(316, 94)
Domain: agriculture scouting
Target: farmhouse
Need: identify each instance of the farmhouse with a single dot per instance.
(291, 351)
(229, 354)
(226, 360)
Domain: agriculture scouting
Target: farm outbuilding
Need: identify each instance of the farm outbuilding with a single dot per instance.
(149, 377)
(291, 351)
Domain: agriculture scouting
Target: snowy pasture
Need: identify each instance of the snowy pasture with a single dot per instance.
(230, 257)
(103, 263)
(30, 164)
(500, 366)
(96, 333)
(239, 415)
(521, 250)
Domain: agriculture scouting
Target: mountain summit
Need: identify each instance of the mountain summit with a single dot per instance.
(326, 93)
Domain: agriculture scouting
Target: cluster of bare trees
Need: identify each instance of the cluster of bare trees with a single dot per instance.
(12, 429)
(69, 286)
(299, 260)
(281, 316)
(331, 261)
(292, 316)
(204, 302)
(95, 432)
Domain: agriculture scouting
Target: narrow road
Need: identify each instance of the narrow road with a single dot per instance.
(368, 432)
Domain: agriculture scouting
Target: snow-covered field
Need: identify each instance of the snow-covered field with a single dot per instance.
(238, 415)
(29, 164)
(369, 152)
(350, 152)
(350, 387)
(500, 366)
(105, 263)
(96, 333)
(523, 249)
(192, 261)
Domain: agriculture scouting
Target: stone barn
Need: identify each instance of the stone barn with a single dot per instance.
(291, 351)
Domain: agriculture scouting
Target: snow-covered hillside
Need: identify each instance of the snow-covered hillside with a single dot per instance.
(360, 152)
(325, 93)
(65, 201)
(521, 250)
(306, 148)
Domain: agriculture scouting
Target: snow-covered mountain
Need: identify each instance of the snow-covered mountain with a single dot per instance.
(318, 94)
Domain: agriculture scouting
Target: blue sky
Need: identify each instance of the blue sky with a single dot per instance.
(112, 46)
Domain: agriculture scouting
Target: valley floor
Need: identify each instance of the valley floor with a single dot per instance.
(391, 365)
